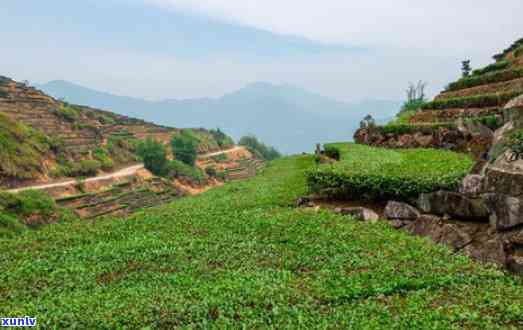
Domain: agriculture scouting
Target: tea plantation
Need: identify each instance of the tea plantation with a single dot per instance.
(242, 256)
(383, 174)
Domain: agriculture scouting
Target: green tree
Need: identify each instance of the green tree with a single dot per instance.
(154, 156)
(259, 149)
(185, 147)
(465, 68)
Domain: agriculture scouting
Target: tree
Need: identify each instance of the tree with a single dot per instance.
(415, 96)
(154, 156)
(185, 147)
(465, 68)
(259, 149)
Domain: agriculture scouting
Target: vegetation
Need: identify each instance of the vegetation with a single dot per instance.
(491, 121)
(479, 101)
(154, 156)
(185, 147)
(332, 152)
(399, 129)
(240, 257)
(259, 149)
(501, 65)
(179, 169)
(221, 138)
(515, 143)
(102, 156)
(86, 167)
(22, 149)
(465, 68)
(513, 47)
(490, 78)
(68, 112)
(384, 174)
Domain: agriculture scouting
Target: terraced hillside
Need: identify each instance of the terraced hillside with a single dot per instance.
(461, 118)
(49, 139)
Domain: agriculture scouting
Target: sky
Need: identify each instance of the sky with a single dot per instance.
(165, 49)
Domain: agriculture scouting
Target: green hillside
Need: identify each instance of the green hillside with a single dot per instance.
(242, 256)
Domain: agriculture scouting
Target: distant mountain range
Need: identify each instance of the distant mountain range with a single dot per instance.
(287, 117)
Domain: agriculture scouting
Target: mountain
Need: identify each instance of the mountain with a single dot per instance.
(288, 117)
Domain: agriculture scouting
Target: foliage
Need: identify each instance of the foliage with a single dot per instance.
(86, 167)
(154, 156)
(123, 149)
(465, 68)
(27, 203)
(259, 149)
(22, 149)
(332, 152)
(515, 142)
(479, 101)
(221, 138)
(491, 121)
(211, 171)
(514, 46)
(106, 120)
(519, 51)
(10, 226)
(68, 112)
(185, 147)
(239, 257)
(219, 158)
(415, 99)
(102, 155)
(400, 129)
(384, 174)
(501, 65)
(490, 78)
(179, 169)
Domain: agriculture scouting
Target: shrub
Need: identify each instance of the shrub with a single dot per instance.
(501, 65)
(479, 101)
(211, 171)
(492, 121)
(179, 169)
(400, 129)
(332, 152)
(221, 138)
(102, 155)
(515, 142)
(259, 149)
(185, 147)
(22, 149)
(68, 112)
(86, 167)
(10, 226)
(514, 46)
(154, 156)
(383, 174)
(490, 78)
(27, 203)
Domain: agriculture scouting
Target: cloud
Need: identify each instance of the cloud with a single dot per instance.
(439, 25)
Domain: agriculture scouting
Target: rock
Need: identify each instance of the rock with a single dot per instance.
(515, 264)
(516, 102)
(359, 213)
(455, 205)
(400, 211)
(504, 181)
(303, 201)
(455, 236)
(398, 224)
(423, 140)
(487, 249)
(472, 185)
(506, 211)
(426, 225)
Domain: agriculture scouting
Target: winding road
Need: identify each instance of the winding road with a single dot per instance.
(127, 171)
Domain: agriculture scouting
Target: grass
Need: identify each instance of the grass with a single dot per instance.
(384, 174)
(240, 257)
(22, 149)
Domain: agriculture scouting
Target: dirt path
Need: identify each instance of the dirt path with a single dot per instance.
(127, 171)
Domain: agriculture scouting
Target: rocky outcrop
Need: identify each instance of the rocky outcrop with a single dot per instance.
(401, 211)
(454, 205)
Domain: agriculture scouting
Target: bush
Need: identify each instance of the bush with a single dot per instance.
(383, 174)
(514, 46)
(501, 65)
(211, 171)
(86, 167)
(515, 142)
(221, 138)
(490, 78)
(259, 149)
(400, 129)
(179, 169)
(185, 147)
(27, 203)
(332, 152)
(479, 101)
(68, 112)
(154, 156)
(492, 121)
(102, 155)
(10, 226)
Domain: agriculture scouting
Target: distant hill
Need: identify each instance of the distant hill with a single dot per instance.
(287, 117)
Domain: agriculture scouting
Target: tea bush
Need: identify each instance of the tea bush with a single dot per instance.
(490, 78)
(383, 174)
(501, 65)
(479, 101)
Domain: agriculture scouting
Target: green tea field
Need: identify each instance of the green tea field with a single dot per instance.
(242, 256)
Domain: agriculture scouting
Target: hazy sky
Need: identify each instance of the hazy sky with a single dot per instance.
(350, 50)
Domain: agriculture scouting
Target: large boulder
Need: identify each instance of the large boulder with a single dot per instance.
(472, 185)
(455, 205)
(400, 211)
(359, 213)
(506, 211)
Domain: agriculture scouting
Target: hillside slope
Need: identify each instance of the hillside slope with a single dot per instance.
(45, 139)
(288, 117)
(240, 257)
